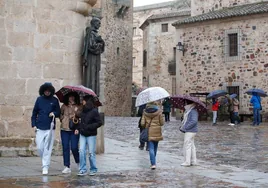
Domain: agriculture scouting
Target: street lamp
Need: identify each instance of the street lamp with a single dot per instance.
(180, 47)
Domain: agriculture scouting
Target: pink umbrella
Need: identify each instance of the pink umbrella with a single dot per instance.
(178, 101)
(81, 90)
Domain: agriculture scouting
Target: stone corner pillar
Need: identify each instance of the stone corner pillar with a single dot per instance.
(100, 137)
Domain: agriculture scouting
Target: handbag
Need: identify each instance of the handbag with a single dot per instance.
(145, 133)
(73, 123)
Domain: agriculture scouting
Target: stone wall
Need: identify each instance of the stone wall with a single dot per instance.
(205, 6)
(117, 33)
(203, 67)
(40, 41)
(139, 16)
(160, 51)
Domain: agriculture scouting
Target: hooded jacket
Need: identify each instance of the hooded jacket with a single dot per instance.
(69, 110)
(256, 101)
(155, 117)
(44, 105)
(90, 120)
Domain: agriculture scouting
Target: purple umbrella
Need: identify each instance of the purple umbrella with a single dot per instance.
(178, 101)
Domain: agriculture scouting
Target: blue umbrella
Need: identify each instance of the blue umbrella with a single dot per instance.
(260, 92)
(216, 94)
(233, 96)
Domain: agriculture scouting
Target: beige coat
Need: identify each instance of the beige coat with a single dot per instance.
(155, 129)
(67, 112)
(236, 105)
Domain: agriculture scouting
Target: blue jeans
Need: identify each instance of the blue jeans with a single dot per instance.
(67, 138)
(89, 141)
(236, 118)
(256, 116)
(153, 145)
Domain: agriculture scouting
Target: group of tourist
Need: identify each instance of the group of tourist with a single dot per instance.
(233, 109)
(151, 118)
(79, 124)
(85, 119)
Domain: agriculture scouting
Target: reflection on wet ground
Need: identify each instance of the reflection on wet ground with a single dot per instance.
(147, 178)
(243, 146)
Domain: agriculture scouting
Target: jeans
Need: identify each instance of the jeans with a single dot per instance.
(214, 116)
(67, 138)
(153, 145)
(236, 118)
(167, 115)
(89, 141)
(189, 151)
(256, 116)
(43, 148)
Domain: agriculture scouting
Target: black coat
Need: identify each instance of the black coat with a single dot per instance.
(90, 121)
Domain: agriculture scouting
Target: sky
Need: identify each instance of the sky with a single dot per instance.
(148, 2)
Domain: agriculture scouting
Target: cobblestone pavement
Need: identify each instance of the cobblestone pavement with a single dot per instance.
(243, 146)
(229, 157)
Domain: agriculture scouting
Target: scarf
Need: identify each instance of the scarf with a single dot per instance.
(188, 109)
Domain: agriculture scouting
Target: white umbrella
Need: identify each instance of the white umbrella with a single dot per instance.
(151, 94)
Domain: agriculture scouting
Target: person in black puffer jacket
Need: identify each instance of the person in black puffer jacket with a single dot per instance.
(90, 122)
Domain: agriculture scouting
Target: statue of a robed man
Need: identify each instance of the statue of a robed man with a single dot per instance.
(93, 47)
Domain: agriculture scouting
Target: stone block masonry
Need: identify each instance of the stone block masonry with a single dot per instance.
(39, 41)
(204, 66)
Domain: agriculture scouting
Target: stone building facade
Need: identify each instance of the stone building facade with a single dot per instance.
(117, 24)
(41, 41)
(223, 51)
(159, 50)
(139, 16)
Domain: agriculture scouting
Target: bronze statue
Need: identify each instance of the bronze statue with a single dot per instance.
(93, 47)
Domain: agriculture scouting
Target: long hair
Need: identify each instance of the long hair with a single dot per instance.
(76, 98)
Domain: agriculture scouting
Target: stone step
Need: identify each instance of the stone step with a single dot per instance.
(24, 147)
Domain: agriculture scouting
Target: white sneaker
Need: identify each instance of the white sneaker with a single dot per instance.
(45, 171)
(66, 170)
(231, 124)
(185, 164)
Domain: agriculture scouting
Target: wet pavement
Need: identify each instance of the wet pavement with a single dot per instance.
(243, 146)
(228, 157)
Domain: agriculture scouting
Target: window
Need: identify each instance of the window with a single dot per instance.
(164, 28)
(134, 31)
(134, 61)
(232, 45)
(144, 58)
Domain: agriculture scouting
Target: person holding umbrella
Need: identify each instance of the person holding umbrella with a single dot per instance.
(153, 120)
(90, 122)
(256, 102)
(71, 106)
(190, 128)
(45, 110)
(215, 108)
